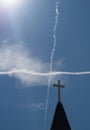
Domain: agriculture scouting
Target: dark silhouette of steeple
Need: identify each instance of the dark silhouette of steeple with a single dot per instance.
(60, 121)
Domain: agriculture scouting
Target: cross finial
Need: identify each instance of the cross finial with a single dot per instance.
(58, 86)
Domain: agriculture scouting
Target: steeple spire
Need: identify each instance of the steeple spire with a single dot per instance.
(60, 120)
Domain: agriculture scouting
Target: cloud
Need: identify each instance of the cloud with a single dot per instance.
(34, 106)
(14, 57)
(16, 61)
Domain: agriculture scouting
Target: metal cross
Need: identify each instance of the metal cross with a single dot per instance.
(58, 86)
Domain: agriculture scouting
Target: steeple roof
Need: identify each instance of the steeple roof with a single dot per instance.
(60, 121)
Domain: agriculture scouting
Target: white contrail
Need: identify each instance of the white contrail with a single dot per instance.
(54, 35)
(52, 56)
(46, 74)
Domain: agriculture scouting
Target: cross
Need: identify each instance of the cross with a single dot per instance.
(58, 86)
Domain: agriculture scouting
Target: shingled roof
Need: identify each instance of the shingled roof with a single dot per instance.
(60, 121)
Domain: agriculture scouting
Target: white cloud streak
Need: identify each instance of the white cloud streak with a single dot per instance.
(46, 74)
(54, 36)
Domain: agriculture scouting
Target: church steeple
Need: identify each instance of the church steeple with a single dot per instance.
(60, 121)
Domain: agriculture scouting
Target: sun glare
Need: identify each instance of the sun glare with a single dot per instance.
(8, 3)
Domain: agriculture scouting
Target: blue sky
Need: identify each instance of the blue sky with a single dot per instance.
(26, 41)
